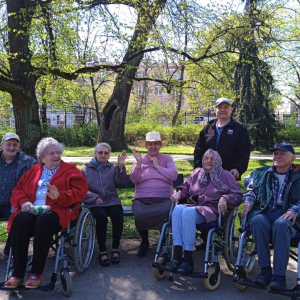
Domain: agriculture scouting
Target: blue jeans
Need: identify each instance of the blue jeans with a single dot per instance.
(267, 226)
(184, 221)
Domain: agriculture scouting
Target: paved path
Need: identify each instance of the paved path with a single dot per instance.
(131, 158)
(133, 279)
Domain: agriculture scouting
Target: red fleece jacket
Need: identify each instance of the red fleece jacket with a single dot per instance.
(70, 182)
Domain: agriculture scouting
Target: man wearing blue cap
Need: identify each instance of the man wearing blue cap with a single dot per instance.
(272, 203)
(228, 137)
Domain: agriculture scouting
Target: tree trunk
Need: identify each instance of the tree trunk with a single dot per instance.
(113, 115)
(25, 105)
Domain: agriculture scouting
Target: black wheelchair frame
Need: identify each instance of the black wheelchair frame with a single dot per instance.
(73, 246)
(246, 259)
(217, 235)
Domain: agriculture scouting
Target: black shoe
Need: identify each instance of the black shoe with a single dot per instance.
(143, 249)
(185, 268)
(278, 283)
(115, 259)
(173, 265)
(104, 262)
(264, 278)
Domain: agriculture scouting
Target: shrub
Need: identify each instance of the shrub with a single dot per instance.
(181, 134)
(289, 134)
(85, 135)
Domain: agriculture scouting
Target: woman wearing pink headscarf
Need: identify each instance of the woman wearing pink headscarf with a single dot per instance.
(209, 190)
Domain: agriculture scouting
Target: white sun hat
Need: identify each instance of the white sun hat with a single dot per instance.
(152, 136)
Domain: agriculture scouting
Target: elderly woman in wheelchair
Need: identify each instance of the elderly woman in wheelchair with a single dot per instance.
(209, 190)
(41, 202)
(272, 207)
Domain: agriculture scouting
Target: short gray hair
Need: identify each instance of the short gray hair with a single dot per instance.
(44, 143)
(103, 145)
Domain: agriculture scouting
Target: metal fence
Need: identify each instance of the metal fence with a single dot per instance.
(83, 115)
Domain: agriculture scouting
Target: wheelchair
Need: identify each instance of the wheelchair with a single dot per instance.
(218, 235)
(74, 248)
(245, 261)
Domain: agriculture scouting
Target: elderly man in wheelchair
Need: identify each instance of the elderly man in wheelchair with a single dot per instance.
(209, 189)
(272, 206)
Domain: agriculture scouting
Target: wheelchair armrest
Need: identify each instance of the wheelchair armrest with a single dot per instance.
(74, 205)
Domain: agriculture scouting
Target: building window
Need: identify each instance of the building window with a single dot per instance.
(139, 90)
(141, 74)
(158, 90)
(60, 121)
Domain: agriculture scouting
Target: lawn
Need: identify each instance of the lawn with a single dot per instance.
(170, 149)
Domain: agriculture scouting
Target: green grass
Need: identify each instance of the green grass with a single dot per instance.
(170, 149)
(88, 151)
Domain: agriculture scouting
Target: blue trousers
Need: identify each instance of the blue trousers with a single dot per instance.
(184, 221)
(269, 226)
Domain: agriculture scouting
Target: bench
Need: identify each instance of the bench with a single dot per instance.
(127, 209)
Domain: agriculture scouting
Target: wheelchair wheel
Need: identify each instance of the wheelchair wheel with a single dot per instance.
(164, 251)
(67, 284)
(231, 237)
(84, 238)
(158, 274)
(211, 283)
(248, 249)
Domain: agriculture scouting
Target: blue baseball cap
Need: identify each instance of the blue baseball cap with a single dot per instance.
(284, 147)
(222, 100)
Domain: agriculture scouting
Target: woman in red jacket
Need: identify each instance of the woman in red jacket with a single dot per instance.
(54, 185)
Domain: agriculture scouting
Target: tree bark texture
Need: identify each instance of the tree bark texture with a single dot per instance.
(23, 80)
(114, 112)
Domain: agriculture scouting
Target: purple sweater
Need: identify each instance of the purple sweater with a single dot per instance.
(150, 182)
(103, 184)
(206, 198)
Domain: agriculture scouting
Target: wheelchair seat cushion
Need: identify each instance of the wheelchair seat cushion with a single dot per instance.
(207, 225)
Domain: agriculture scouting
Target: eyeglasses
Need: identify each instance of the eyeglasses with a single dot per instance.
(103, 152)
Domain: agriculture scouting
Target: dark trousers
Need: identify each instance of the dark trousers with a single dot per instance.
(42, 228)
(100, 213)
(5, 213)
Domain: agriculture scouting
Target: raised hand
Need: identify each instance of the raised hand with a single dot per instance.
(138, 157)
(121, 159)
(53, 191)
(155, 162)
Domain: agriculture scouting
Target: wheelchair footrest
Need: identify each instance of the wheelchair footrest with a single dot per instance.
(293, 294)
(247, 282)
(45, 288)
(158, 266)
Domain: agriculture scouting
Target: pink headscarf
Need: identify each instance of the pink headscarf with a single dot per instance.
(214, 173)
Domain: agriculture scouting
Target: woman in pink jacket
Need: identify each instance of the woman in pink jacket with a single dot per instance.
(153, 176)
(209, 190)
(53, 185)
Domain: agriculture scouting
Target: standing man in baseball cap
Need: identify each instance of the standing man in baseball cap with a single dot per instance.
(272, 203)
(226, 136)
(13, 164)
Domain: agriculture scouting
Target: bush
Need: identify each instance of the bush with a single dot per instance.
(289, 134)
(85, 135)
(181, 134)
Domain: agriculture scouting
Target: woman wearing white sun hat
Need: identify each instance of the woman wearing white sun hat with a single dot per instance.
(153, 176)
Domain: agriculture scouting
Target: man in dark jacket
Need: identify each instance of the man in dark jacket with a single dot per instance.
(272, 203)
(13, 164)
(228, 137)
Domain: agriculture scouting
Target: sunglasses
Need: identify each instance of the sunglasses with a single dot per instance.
(103, 152)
